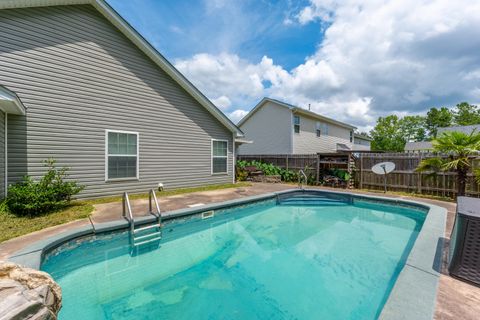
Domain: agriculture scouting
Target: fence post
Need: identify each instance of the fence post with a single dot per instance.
(361, 171)
(318, 168)
(419, 175)
(286, 161)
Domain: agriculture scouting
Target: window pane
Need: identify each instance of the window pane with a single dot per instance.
(296, 128)
(122, 167)
(113, 143)
(219, 165)
(325, 129)
(296, 120)
(122, 143)
(220, 148)
(319, 133)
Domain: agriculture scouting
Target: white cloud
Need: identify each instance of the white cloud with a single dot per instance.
(377, 57)
(237, 115)
(223, 75)
(222, 102)
(318, 9)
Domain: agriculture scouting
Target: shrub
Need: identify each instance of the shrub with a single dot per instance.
(51, 192)
(342, 174)
(241, 174)
(267, 168)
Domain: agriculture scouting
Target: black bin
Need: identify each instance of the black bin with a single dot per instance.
(464, 257)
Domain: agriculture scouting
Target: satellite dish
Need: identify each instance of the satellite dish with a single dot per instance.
(384, 168)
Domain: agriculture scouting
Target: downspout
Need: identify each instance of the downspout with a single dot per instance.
(233, 156)
(292, 150)
(5, 155)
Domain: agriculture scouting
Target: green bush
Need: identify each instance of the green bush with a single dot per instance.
(267, 168)
(241, 174)
(51, 192)
(340, 173)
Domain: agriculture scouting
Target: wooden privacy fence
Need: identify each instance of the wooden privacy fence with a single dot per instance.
(405, 178)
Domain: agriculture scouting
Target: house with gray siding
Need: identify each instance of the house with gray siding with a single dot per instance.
(79, 84)
(276, 127)
(361, 142)
(426, 146)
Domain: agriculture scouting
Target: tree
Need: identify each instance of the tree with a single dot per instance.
(387, 134)
(437, 118)
(458, 147)
(466, 114)
(413, 128)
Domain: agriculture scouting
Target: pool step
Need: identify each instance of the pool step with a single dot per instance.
(311, 200)
(136, 244)
(139, 240)
(137, 230)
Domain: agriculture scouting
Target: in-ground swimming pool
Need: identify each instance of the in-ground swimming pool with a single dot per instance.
(309, 257)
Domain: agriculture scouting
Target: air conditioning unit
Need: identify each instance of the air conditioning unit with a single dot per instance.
(464, 256)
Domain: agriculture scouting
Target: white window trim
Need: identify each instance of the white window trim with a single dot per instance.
(211, 158)
(137, 177)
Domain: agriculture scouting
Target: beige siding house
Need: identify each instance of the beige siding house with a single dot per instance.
(92, 93)
(276, 127)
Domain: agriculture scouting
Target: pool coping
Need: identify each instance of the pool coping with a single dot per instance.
(412, 297)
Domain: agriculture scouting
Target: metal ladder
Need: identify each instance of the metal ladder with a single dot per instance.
(146, 234)
(301, 174)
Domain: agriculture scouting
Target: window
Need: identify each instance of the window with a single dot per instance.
(351, 136)
(318, 129)
(296, 124)
(122, 155)
(219, 156)
(325, 129)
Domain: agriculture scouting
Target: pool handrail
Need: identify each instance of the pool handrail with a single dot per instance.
(301, 174)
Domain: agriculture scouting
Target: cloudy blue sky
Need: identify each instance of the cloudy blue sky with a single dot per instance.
(351, 60)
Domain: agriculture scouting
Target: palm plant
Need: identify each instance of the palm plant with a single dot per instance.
(458, 147)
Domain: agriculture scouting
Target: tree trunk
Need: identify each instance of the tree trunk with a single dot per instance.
(461, 181)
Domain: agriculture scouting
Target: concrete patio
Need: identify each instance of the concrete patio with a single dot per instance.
(455, 300)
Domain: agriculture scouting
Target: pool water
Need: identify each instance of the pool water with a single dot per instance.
(263, 261)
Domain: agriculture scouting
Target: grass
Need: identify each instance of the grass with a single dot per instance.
(12, 226)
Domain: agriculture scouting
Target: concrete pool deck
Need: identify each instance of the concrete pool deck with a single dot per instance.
(455, 299)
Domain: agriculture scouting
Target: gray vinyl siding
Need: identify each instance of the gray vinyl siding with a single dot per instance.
(78, 75)
(270, 129)
(363, 142)
(307, 141)
(2, 155)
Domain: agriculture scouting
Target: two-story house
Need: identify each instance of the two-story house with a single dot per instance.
(276, 127)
